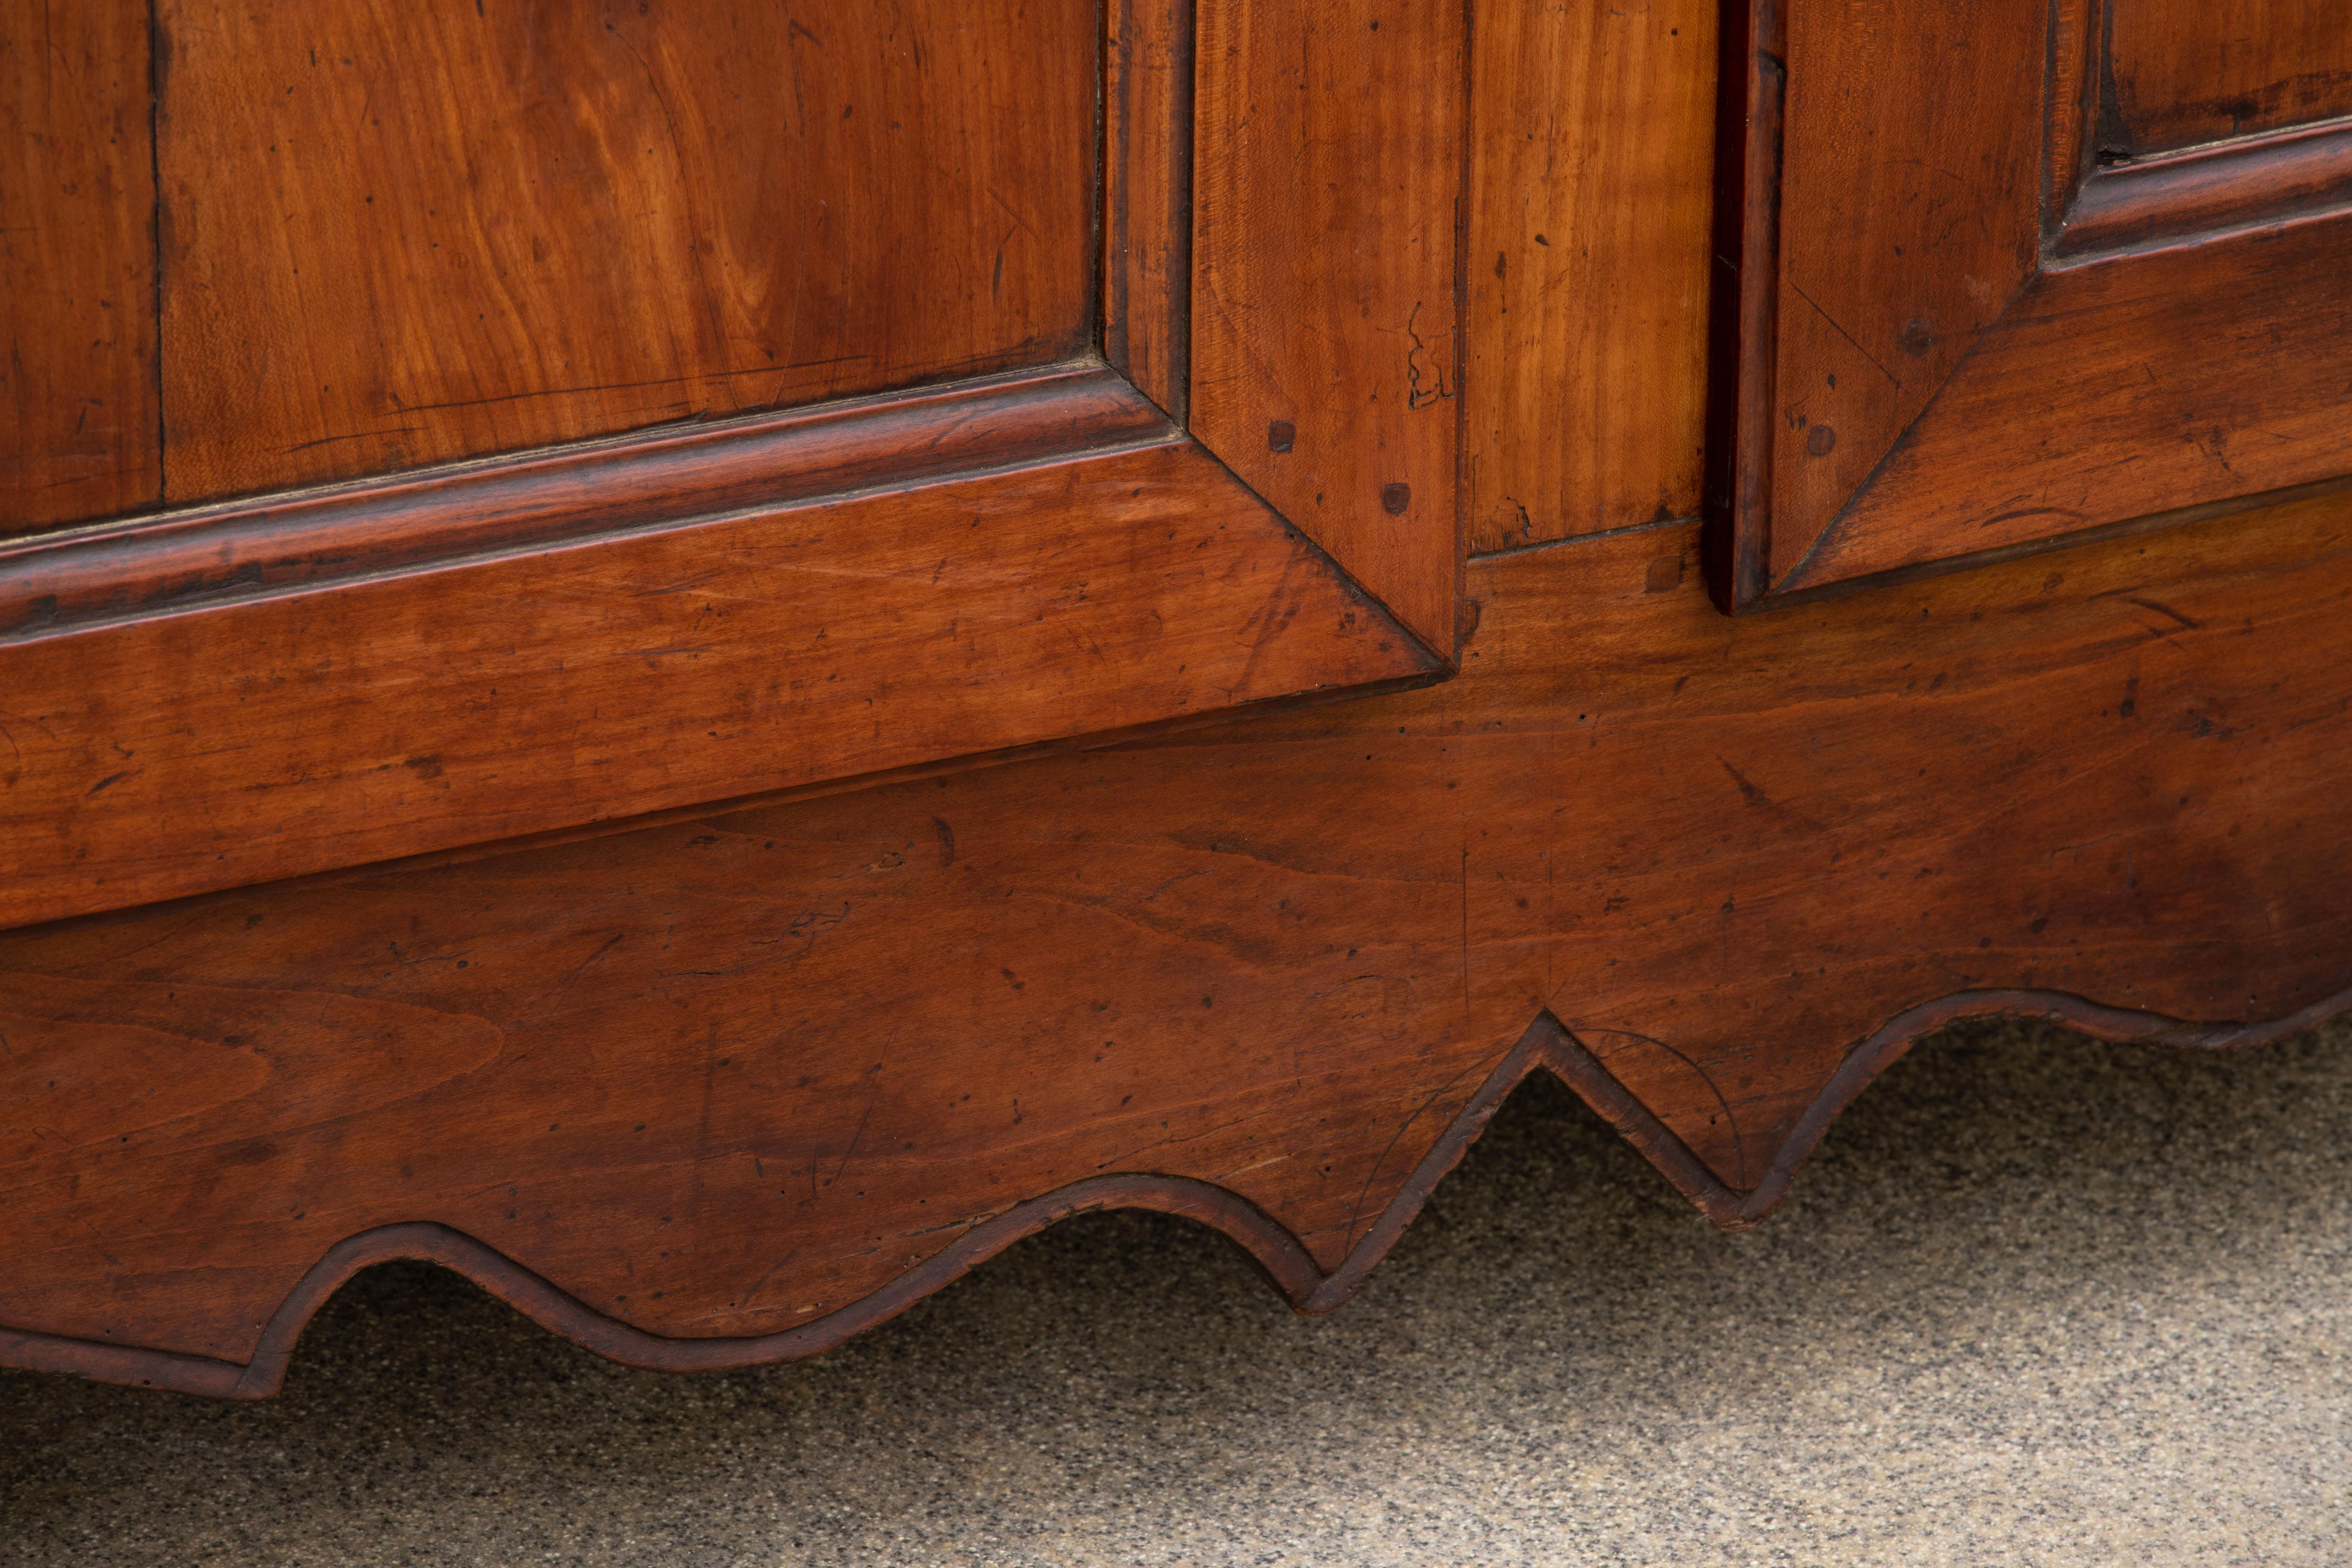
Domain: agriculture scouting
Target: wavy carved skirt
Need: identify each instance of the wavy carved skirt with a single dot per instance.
(714, 1091)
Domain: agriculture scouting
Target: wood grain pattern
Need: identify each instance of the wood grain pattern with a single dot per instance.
(2256, 182)
(1285, 1264)
(1326, 348)
(724, 1079)
(1912, 154)
(2179, 74)
(2238, 354)
(1148, 198)
(1958, 339)
(1588, 266)
(902, 619)
(79, 437)
(2072, 113)
(204, 558)
(399, 233)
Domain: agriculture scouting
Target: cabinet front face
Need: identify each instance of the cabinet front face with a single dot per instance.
(621, 471)
(2011, 272)
(482, 420)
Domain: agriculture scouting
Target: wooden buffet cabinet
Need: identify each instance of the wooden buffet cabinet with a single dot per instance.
(708, 658)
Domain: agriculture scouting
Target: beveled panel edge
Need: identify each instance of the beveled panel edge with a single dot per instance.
(247, 772)
(1969, 561)
(486, 511)
(2206, 193)
(1146, 197)
(2090, 214)
(206, 557)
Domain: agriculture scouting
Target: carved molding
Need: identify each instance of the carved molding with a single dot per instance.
(1546, 1044)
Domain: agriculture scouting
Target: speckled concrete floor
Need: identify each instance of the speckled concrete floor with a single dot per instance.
(2036, 1301)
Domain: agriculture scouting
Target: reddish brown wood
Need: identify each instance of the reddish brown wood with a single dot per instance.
(2071, 114)
(2215, 191)
(1325, 340)
(753, 1073)
(1958, 354)
(404, 666)
(775, 1072)
(2239, 353)
(2181, 72)
(78, 437)
(1586, 380)
(205, 557)
(1148, 196)
(322, 719)
(1277, 1252)
(1908, 223)
(403, 231)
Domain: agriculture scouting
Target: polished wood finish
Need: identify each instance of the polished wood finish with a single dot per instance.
(1889, 272)
(2209, 194)
(78, 431)
(1148, 198)
(576, 866)
(2192, 421)
(1911, 305)
(1123, 579)
(398, 232)
(2182, 73)
(1333, 129)
(774, 1072)
(204, 558)
(1285, 1264)
(410, 664)
(208, 558)
(1590, 197)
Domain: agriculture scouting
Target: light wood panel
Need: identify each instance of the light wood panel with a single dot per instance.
(79, 437)
(1591, 159)
(2182, 73)
(402, 231)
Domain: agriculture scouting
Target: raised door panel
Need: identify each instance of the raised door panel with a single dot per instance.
(2180, 73)
(1960, 327)
(402, 233)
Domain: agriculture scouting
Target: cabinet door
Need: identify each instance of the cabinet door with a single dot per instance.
(490, 419)
(2004, 273)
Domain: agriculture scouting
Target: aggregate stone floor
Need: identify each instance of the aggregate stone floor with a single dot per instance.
(2037, 1301)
